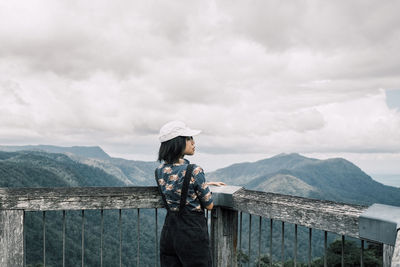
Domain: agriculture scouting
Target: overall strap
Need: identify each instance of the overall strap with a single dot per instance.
(159, 189)
(185, 187)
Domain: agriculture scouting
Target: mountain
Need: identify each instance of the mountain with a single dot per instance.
(333, 179)
(42, 169)
(243, 173)
(289, 185)
(83, 151)
(132, 172)
(128, 172)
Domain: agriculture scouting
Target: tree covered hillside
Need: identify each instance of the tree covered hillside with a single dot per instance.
(332, 179)
(41, 169)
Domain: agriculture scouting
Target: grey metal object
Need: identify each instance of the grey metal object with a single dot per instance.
(283, 244)
(222, 195)
(295, 246)
(63, 238)
(326, 249)
(83, 238)
(270, 241)
(248, 263)
(44, 238)
(120, 237)
(380, 223)
(101, 237)
(259, 240)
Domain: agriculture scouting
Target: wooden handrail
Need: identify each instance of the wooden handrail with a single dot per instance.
(79, 198)
(329, 216)
(335, 217)
(339, 218)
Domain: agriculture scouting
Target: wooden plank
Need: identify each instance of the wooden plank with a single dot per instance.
(11, 238)
(396, 253)
(328, 216)
(78, 198)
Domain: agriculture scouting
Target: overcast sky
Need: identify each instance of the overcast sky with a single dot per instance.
(320, 78)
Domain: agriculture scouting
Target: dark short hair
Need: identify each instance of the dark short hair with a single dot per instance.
(172, 150)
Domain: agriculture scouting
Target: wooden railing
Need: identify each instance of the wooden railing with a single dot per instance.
(340, 218)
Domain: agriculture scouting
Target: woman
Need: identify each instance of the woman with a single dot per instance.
(184, 237)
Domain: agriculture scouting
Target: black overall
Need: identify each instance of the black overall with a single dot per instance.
(184, 238)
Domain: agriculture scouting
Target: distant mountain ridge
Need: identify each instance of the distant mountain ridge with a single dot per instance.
(42, 169)
(333, 179)
(84, 151)
(117, 172)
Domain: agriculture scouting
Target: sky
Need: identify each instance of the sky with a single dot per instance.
(259, 78)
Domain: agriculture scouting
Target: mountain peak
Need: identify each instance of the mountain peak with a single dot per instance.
(293, 155)
(84, 151)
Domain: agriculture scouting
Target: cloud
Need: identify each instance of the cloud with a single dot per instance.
(265, 77)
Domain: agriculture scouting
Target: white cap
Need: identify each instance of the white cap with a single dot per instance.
(174, 129)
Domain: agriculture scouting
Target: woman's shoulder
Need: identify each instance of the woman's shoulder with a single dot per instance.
(197, 169)
(169, 168)
(160, 167)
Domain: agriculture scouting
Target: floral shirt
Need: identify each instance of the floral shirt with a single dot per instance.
(170, 178)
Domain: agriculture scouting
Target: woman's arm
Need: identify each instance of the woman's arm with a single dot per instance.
(210, 207)
(216, 183)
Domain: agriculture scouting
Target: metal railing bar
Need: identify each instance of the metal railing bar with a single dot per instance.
(342, 250)
(138, 238)
(44, 238)
(309, 246)
(325, 249)
(240, 238)
(248, 263)
(101, 236)
(63, 238)
(156, 241)
(120, 236)
(295, 246)
(259, 241)
(362, 254)
(24, 239)
(83, 238)
(283, 244)
(270, 243)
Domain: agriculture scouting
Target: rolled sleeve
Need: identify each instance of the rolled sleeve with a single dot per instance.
(202, 190)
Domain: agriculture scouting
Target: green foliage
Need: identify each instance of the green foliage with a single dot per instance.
(242, 258)
(40, 169)
(352, 256)
(372, 255)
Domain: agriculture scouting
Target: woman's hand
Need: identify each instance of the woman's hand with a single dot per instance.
(216, 183)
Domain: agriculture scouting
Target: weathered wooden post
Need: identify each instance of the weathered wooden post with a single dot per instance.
(11, 238)
(224, 226)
